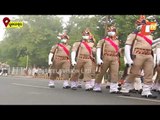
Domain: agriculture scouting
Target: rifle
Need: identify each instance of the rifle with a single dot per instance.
(125, 72)
(92, 56)
(77, 52)
(93, 59)
(102, 50)
(133, 56)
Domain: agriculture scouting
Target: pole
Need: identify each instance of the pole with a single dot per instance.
(26, 70)
(27, 62)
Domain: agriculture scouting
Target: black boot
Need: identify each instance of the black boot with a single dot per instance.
(74, 88)
(150, 96)
(66, 87)
(133, 91)
(126, 94)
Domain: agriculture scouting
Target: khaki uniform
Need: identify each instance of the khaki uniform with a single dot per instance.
(143, 59)
(110, 60)
(157, 69)
(61, 63)
(157, 80)
(93, 70)
(84, 63)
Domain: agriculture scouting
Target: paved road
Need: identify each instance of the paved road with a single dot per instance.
(33, 91)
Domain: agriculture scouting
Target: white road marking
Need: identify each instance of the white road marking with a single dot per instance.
(151, 100)
(29, 85)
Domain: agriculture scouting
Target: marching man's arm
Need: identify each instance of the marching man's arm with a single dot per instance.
(158, 55)
(125, 60)
(50, 58)
(128, 54)
(73, 56)
(98, 52)
(127, 48)
(73, 53)
(154, 57)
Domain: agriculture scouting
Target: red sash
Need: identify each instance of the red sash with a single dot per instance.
(64, 48)
(88, 47)
(147, 39)
(112, 43)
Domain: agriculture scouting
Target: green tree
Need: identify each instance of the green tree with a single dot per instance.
(34, 40)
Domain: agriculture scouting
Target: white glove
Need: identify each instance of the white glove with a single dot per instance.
(125, 60)
(73, 56)
(154, 60)
(99, 60)
(50, 59)
(127, 49)
(158, 56)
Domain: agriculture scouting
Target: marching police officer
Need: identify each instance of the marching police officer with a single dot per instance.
(141, 58)
(81, 59)
(59, 61)
(107, 57)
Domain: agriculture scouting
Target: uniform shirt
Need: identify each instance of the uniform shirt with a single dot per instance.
(158, 45)
(140, 42)
(155, 55)
(60, 51)
(154, 51)
(82, 50)
(94, 51)
(107, 45)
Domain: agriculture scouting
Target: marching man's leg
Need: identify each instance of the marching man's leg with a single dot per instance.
(66, 73)
(75, 71)
(128, 85)
(93, 74)
(148, 74)
(52, 76)
(114, 67)
(87, 74)
(158, 78)
(156, 82)
(80, 80)
(99, 77)
(53, 72)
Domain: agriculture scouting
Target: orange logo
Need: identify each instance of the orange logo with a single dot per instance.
(148, 28)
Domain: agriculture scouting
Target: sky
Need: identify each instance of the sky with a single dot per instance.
(2, 26)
